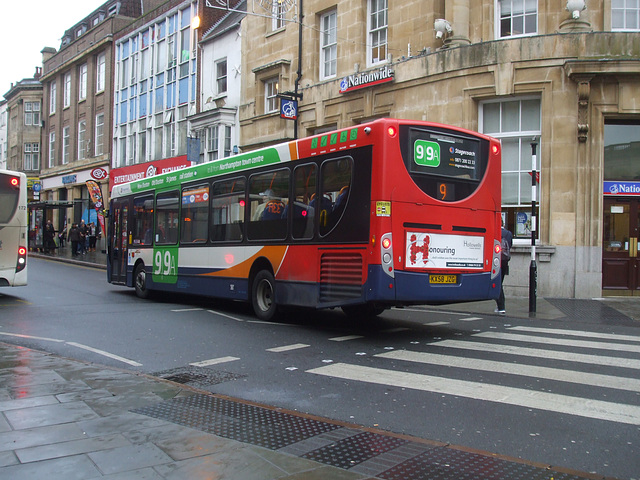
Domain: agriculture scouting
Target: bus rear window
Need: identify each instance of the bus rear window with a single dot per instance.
(9, 196)
(446, 166)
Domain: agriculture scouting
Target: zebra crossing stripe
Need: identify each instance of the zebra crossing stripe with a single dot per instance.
(596, 409)
(570, 376)
(619, 347)
(541, 353)
(579, 333)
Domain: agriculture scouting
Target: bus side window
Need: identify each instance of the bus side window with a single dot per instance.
(304, 178)
(195, 214)
(167, 211)
(269, 194)
(336, 182)
(142, 221)
(227, 210)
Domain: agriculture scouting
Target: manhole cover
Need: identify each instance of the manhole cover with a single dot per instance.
(197, 376)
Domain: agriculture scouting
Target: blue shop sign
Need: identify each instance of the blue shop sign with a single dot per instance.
(621, 188)
(69, 179)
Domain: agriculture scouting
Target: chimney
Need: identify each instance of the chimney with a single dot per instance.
(38, 74)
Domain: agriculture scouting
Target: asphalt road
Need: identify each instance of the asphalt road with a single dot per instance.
(560, 392)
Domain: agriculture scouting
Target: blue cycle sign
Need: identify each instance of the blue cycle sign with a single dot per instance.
(621, 188)
(289, 109)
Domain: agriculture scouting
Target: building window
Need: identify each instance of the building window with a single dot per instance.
(31, 156)
(52, 149)
(99, 134)
(82, 82)
(625, 15)
(621, 150)
(227, 141)
(517, 17)
(277, 13)
(82, 139)
(270, 95)
(100, 72)
(32, 113)
(65, 145)
(53, 93)
(515, 123)
(67, 90)
(377, 25)
(221, 76)
(328, 45)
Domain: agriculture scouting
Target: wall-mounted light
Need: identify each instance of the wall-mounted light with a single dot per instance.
(195, 22)
(442, 27)
(575, 7)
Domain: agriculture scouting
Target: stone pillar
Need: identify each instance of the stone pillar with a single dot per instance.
(457, 13)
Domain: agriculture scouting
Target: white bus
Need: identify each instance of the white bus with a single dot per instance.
(13, 228)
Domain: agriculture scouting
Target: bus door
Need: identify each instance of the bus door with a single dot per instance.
(621, 251)
(118, 243)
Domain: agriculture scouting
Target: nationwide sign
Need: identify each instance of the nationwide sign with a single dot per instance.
(621, 188)
(366, 79)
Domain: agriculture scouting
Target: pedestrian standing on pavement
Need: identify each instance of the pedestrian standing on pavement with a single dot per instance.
(74, 237)
(92, 236)
(505, 256)
(82, 246)
(49, 233)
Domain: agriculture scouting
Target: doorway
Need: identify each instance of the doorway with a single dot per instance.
(620, 259)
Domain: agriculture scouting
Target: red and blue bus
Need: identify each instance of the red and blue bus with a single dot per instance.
(382, 214)
(13, 229)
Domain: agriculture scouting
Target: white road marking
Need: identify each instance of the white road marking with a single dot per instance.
(105, 354)
(345, 338)
(579, 333)
(286, 348)
(213, 361)
(226, 316)
(571, 376)
(538, 353)
(188, 310)
(620, 347)
(470, 319)
(31, 337)
(435, 324)
(614, 412)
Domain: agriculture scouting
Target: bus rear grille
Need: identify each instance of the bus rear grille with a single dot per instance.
(340, 276)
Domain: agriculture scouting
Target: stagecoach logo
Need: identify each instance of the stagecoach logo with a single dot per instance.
(99, 173)
(151, 171)
(366, 79)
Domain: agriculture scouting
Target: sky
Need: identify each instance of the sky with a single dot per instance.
(26, 28)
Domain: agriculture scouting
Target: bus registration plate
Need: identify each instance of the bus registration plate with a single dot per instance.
(443, 279)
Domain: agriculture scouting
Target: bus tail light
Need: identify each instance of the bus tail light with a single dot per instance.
(22, 259)
(495, 263)
(386, 254)
(495, 149)
(14, 182)
(391, 131)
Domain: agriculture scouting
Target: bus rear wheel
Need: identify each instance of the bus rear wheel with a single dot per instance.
(263, 293)
(140, 281)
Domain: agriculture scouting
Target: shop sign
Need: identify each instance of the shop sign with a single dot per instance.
(621, 188)
(67, 179)
(99, 173)
(145, 170)
(366, 79)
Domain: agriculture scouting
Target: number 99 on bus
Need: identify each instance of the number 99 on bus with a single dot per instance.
(426, 153)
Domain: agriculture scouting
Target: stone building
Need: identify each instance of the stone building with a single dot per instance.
(568, 81)
(77, 112)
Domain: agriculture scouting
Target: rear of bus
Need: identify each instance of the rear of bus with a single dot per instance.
(436, 225)
(13, 229)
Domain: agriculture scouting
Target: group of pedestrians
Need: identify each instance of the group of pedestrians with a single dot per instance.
(83, 238)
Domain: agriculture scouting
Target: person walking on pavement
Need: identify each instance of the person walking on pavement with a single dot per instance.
(92, 236)
(82, 246)
(505, 256)
(74, 238)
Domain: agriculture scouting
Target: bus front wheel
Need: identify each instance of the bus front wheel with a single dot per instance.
(140, 281)
(263, 295)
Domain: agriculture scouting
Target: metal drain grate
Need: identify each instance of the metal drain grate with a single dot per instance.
(383, 456)
(197, 376)
(590, 310)
(451, 464)
(354, 450)
(238, 421)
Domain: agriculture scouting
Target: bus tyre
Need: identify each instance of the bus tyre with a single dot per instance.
(140, 281)
(263, 298)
